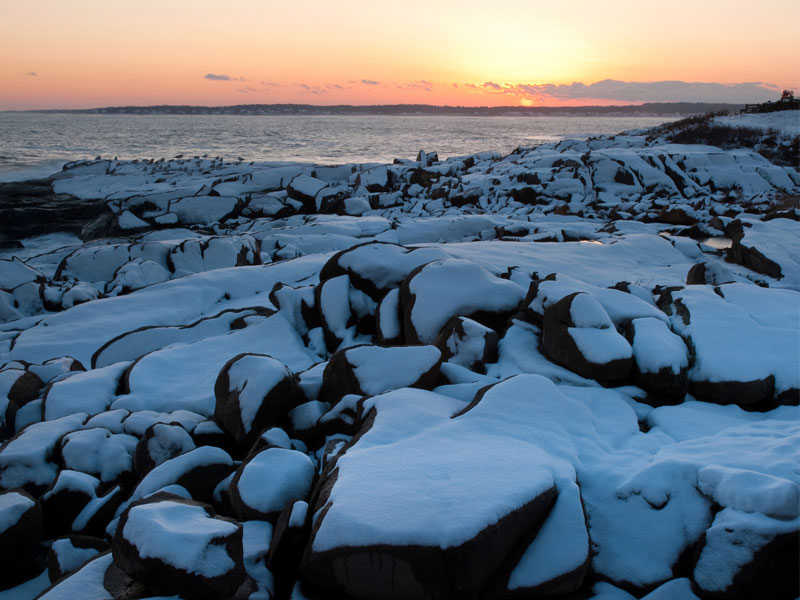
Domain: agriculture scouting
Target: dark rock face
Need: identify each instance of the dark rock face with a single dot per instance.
(25, 388)
(198, 471)
(743, 393)
(708, 274)
(253, 392)
(162, 530)
(560, 344)
(771, 571)
(464, 342)
(20, 539)
(748, 256)
(412, 571)
(289, 538)
(397, 557)
(64, 500)
(29, 208)
(662, 363)
(339, 379)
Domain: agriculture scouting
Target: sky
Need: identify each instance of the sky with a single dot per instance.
(93, 53)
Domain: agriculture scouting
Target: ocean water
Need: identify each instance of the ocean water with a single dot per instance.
(36, 145)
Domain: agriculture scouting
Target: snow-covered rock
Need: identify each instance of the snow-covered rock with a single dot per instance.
(466, 343)
(68, 553)
(253, 392)
(429, 300)
(372, 370)
(578, 334)
(21, 530)
(160, 442)
(174, 545)
(269, 481)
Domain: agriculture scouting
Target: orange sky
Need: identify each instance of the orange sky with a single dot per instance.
(89, 53)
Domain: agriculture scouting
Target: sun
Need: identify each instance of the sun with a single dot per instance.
(526, 102)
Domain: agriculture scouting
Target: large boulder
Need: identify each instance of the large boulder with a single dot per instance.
(578, 334)
(661, 359)
(377, 267)
(467, 343)
(25, 460)
(198, 471)
(372, 370)
(423, 505)
(440, 290)
(764, 246)
(177, 546)
(748, 555)
(269, 481)
(97, 451)
(289, 539)
(21, 530)
(161, 442)
(253, 392)
(18, 386)
(718, 324)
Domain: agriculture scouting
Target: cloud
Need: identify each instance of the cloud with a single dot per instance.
(633, 91)
(247, 90)
(420, 84)
(32, 74)
(317, 90)
(215, 77)
(370, 82)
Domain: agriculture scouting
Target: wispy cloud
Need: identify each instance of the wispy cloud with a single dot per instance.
(316, 90)
(215, 77)
(420, 84)
(370, 82)
(32, 74)
(633, 91)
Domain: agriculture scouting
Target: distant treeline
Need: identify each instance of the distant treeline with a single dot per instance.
(648, 109)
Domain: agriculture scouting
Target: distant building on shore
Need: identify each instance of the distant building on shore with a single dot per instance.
(787, 102)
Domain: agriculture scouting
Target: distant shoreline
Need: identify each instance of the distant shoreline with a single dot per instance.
(654, 109)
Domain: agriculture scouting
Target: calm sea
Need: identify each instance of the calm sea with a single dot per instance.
(36, 145)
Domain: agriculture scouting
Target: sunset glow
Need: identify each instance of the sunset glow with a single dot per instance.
(88, 53)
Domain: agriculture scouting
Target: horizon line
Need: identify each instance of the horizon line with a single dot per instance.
(364, 106)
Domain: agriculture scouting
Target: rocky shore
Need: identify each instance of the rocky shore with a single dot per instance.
(569, 372)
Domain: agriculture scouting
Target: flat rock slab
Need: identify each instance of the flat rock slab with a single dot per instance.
(431, 515)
